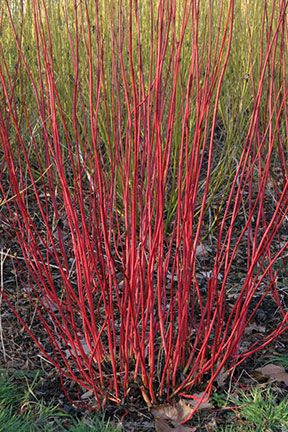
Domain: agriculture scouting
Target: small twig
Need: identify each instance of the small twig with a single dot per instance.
(5, 201)
(25, 259)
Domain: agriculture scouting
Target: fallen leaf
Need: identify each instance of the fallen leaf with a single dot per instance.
(162, 425)
(255, 327)
(87, 394)
(49, 304)
(205, 404)
(202, 250)
(166, 412)
(78, 352)
(169, 417)
(275, 372)
(221, 377)
(209, 275)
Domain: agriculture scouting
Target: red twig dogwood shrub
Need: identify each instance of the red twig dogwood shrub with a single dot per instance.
(108, 201)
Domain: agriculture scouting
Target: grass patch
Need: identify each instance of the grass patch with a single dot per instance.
(21, 411)
(280, 359)
(259, 410)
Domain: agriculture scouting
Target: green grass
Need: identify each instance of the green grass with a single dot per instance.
(21, 411)
(259, 411)
(280, 359)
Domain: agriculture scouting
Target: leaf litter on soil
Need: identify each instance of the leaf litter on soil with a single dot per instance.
(169, 417)
(274, 372)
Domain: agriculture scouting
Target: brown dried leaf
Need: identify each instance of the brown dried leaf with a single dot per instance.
(275, 372)
(221, 377)
(87, 394)
(166, 412)
(256, 328)
(205, 404)
(202, 250)
(169, 417)
(49, 304)
(162, 425)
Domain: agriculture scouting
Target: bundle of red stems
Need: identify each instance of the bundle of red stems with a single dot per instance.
(112, 264)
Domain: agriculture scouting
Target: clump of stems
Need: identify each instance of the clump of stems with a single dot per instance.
(110, 183)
